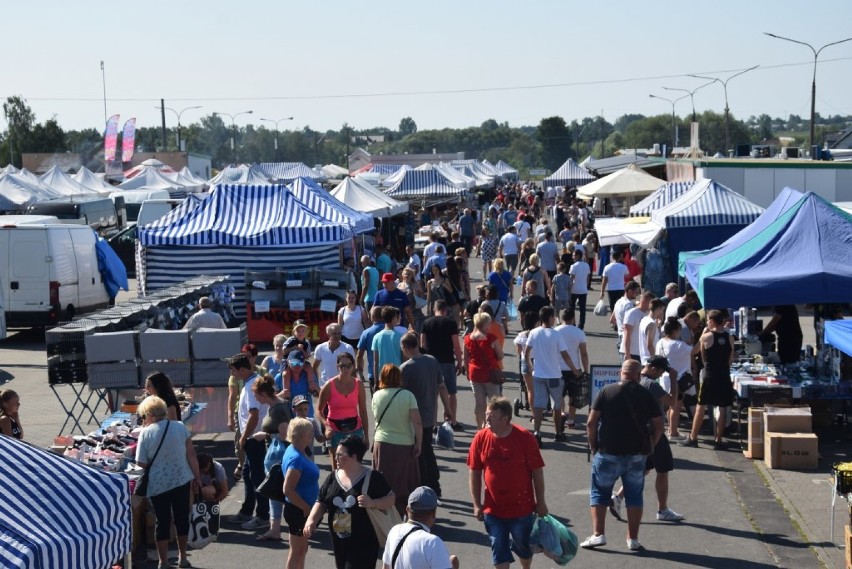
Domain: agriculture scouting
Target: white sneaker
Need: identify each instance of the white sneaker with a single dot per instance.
(255, 523)
(615, 506)
(634, 545)
(594, 541)
(669, 515)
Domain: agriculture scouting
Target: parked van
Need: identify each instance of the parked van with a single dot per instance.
(48, 272)
(101, 214)
(133, 200)
(124, 242)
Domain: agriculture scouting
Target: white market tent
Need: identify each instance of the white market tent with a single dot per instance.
(85, 177)
(61, 182)
(506, 171)
(388, 180)
(626, 183)
(187, 174)
(429, 185)
(334, 171)
(18, 191)
(151, 178)
(455, 177)
(361, 196)
(321, 202)
(627, 230)
(146, 165)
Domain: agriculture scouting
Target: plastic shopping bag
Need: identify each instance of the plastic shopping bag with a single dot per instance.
(601, 308)
(444, 436)
(512, 310)
(551, 537)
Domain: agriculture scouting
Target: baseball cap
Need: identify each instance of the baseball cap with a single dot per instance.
(423, 499)
(296, 357)
(388, 278)
(659, 362)
(298, 400)
(278, 413)
(299, 323)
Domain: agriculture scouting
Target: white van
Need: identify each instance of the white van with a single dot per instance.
(48, 271)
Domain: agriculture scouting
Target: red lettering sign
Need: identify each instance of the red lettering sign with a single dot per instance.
(263, 326)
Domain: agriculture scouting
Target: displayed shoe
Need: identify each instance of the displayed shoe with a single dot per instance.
(240, 518)
(594, 541)
(634, 545)
(615, 504)
(537, 436)
(560, 437)
(255, 523)
(669, 515)
(688, 442)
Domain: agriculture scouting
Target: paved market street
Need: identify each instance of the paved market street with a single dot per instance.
(733, 519)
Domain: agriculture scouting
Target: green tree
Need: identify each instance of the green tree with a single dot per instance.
(764, 127)
(649, 131)
(622, 122)
(49, 137)
(19, 134)
(407, 126)
(555, 140)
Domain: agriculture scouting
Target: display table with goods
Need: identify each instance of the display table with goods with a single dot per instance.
(276, 299)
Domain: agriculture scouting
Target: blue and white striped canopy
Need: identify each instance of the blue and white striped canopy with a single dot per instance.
(387, 169)
(473, 169)
(708, 203)
(429, 184)
(320, 201)
(505, 170)
(286, 172)
(394, 177)
(664, 195)
(569, 174)
(241, 174)
(57, 513)
(245, 216)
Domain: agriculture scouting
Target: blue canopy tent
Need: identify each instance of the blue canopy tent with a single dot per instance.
(664, 195)
(570, 174)
(237, 228)
(695, 259)
(58, 513)
(804, 256)
(241, 174)
(286, 172)
(429, 185)
(392, 177)
(321, 202)
(838, 333)
(703, 217)
(385, 169)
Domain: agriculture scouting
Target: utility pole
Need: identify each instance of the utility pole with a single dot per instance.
(103, 79)
(163, 118)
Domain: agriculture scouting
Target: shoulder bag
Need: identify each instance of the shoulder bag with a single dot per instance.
(399, 545)
(382, 520)
(141, 488)
(272, 486)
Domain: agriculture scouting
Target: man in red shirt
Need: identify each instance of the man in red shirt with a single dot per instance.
(509, 459)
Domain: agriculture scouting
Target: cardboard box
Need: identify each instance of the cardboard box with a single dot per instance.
(755, 433)
(791, 451)
(788, 420)
(848, 542)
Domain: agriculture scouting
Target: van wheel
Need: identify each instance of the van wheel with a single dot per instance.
(70, 311)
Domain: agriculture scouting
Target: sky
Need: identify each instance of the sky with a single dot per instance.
(443, 63)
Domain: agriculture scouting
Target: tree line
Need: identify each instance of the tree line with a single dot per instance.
(545, 145)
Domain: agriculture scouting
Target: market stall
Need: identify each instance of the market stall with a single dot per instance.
(361, 196)
(60, 513)
(570, 174)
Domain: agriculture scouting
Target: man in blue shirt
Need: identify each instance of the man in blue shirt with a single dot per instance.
(467, 229)
(365, 345)
(392, 296)
(386, 347)
(439, 258)
(383, 260)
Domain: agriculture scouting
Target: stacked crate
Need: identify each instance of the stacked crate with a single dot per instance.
(210, 350)
(112, 360)
(166, 351)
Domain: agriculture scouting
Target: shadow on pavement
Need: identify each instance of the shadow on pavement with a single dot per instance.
(698, 560)
(770, 538)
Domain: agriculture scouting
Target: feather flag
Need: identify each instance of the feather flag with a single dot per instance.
(128, 140)
(111, 138)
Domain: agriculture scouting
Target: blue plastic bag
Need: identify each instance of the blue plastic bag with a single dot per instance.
(512, 310)
(444, 436)
(551, 537)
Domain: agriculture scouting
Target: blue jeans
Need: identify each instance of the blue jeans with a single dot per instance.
(450, 378)
(608, 468)
(508, 535)
(253, 475)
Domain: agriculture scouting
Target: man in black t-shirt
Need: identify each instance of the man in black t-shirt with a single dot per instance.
(619, 438)
(529, 306)
(439, 337)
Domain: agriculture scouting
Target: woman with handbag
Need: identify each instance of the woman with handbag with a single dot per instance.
(439, 288)
(346, 497)
(398, 435)
(679, 354)
(342, 405)
(301, 488)
(171, 475)
(482, 352)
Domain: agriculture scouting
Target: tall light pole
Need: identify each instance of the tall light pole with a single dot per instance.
(178, 114)
(674, 126)
(276, 122)
(690, 94)
(813, 84)
(103, 80)
(724, 84)
(233, 130)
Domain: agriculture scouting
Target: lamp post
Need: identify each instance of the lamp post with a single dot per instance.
(724, 84)
(275, 122)
(813, 84)
(178, 114)
(674, 126)
(690, 94)
(233, 130)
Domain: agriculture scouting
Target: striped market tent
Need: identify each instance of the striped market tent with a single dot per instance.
(320, 201)
(506, 171)
(570, 174)
(241, 174)
(424, 184)
(384, 169)
(392, 178)
(664, 195)
(473, 169)
(287, 172)
(58, 513)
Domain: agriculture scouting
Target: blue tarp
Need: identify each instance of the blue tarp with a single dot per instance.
(804, 256)
(111, 268)
(838, 333)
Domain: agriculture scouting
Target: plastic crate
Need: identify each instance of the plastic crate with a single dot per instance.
(213, 344)
(164, 345)
(113, 375)
(210, 373)
(112, 347)
(180, 373)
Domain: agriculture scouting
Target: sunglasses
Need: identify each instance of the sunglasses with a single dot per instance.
(344, 366)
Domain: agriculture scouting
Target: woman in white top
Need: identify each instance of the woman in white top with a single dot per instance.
(679, 354)
(352, 319)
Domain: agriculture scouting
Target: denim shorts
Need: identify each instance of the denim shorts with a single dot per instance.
(508, 535)
(450, 378)
(608, 468)
(544, 388)
(523, 367)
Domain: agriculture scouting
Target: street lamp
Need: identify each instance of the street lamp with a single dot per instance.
(690, 94)
(813, 85)
(674, 126)
(727, 109)
(275, 122)
(233, 130)
(178, 114)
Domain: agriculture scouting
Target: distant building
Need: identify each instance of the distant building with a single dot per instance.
(40, 162)
(360, 158)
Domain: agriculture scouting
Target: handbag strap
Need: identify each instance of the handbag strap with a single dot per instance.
(398, 548)
(159, 446)
(382, 416)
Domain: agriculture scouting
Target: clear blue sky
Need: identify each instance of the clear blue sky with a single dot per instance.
(246, 54)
